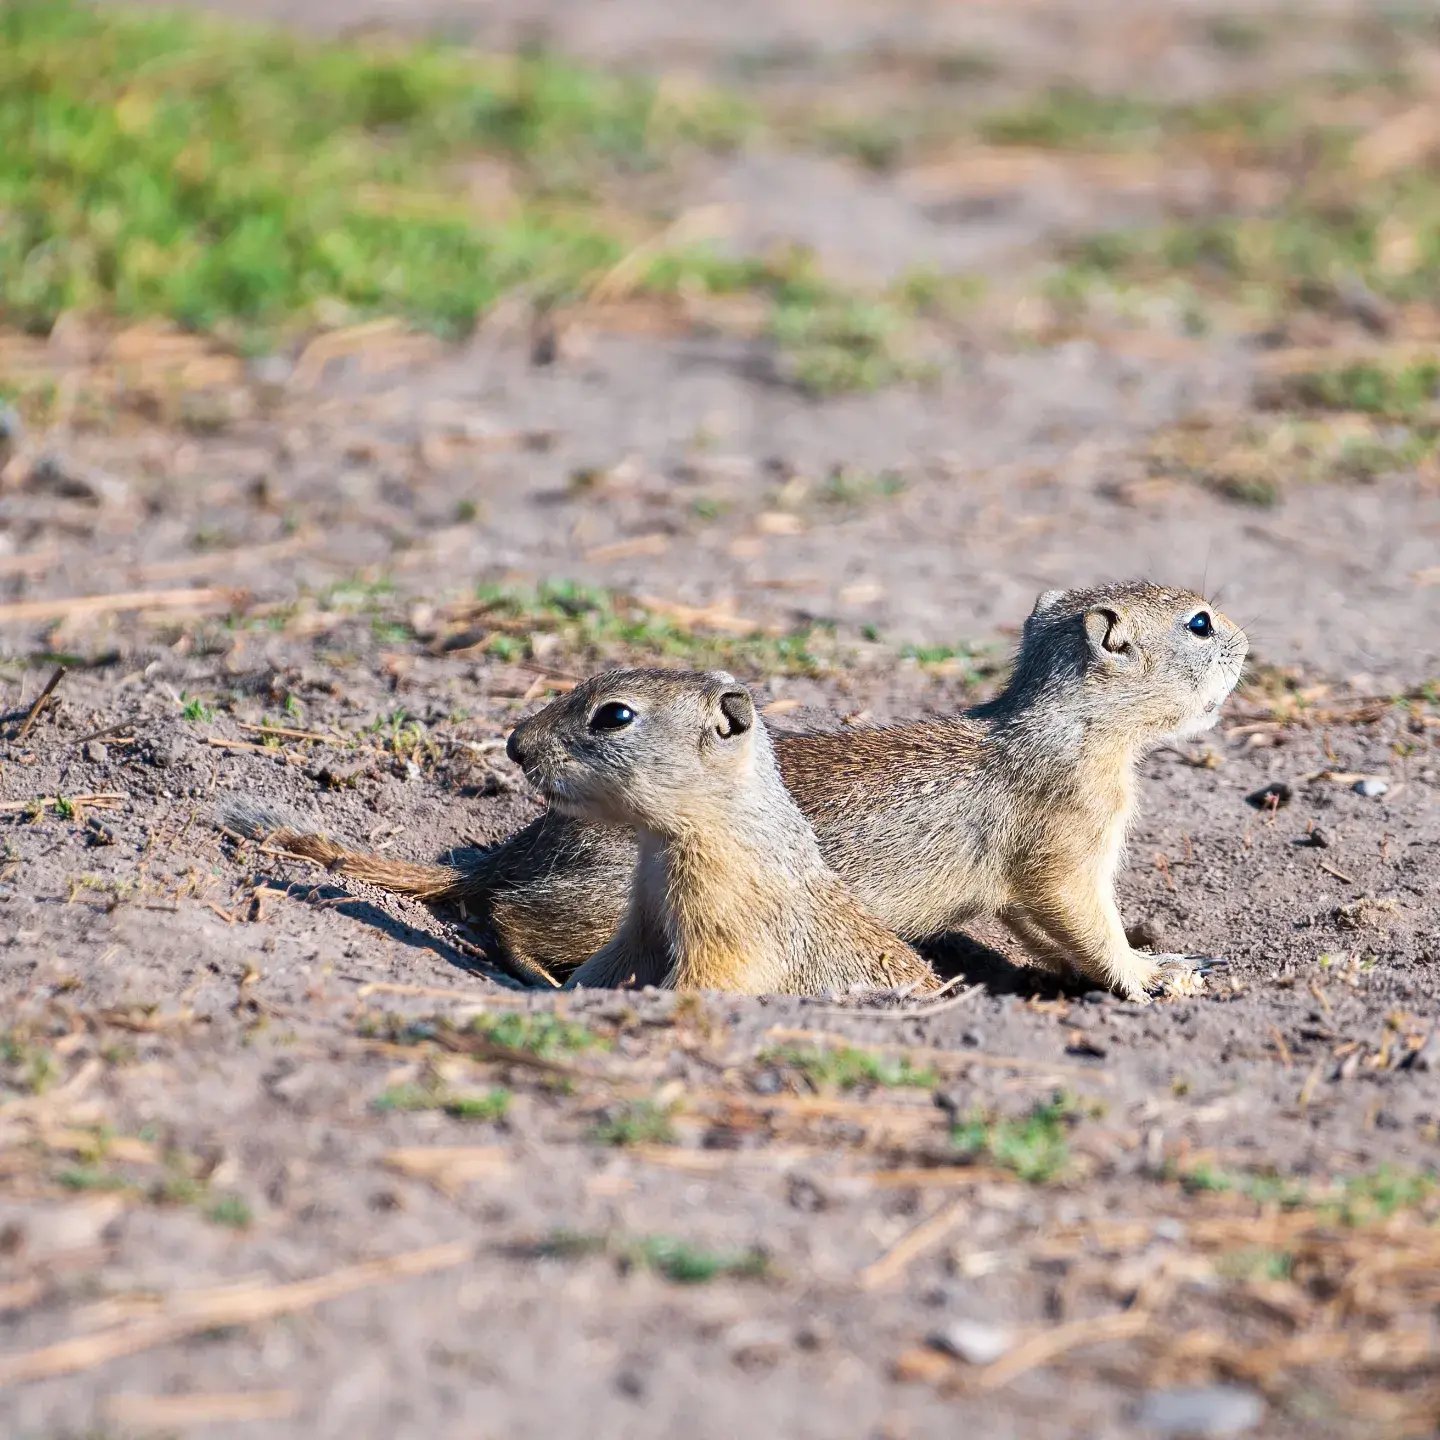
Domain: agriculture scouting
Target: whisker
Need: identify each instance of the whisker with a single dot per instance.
(1248, 626)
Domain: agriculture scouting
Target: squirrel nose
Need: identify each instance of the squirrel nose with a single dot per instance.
(513, 748)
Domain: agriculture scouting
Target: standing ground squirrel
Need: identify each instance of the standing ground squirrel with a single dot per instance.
(1018, 808)
(729, 890)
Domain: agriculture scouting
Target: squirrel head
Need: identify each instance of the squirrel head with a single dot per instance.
(646, 748)
(1136, 659)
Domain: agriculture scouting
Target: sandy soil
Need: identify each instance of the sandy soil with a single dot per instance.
(206, 1043)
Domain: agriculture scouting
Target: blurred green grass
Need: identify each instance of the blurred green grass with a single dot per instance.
(253, 184)
(1334, 219)
(169, 164)
(257, 186)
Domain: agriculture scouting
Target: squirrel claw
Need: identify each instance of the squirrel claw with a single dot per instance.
(1182, 976)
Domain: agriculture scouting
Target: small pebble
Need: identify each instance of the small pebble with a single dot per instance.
(1204, 1412)
(60, 476)
(756, 1342)
(972, 1341)
(269, 372)
(1358, 300)
(165, 752)
(1427, 1058)
(1371, 787)
(1147, 934)
(1319, 838)
(12, 429)
(806, 1196)
(96, 753)
(1271, 796)
(950, 1101)
(630, 1384)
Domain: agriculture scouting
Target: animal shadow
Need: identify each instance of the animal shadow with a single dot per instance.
(471, 958)
(958, 956)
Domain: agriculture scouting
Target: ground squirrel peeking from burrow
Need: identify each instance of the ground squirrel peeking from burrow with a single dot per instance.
(1017, 808)
(729, 890)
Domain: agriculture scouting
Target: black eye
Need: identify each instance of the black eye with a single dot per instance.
(614, 715)
(1199, 624)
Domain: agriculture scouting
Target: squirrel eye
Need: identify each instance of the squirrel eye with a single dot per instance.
(612, 716)
(1200, 624)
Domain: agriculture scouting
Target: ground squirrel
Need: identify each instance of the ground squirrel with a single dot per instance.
(729, 890)
(1017, 808)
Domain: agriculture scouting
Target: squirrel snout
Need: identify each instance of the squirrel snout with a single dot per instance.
(514, 749)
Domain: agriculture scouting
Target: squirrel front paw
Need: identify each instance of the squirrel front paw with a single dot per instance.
(1180, 977)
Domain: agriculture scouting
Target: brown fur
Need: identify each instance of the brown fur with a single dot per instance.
(1018, 809)
(729, 890)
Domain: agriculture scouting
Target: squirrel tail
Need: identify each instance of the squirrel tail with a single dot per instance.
(283, 830)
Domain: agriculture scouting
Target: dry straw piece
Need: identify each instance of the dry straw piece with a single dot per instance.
(201, 1310)
(70, 606)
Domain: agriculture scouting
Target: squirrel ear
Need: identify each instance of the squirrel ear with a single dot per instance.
(1110, 638)
(1048, 601)
(737, 714)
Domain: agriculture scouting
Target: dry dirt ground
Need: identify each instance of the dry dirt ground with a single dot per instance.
(274, 1156)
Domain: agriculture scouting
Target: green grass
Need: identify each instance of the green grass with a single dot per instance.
(673, 1259)
(1327, 225)
(971, 662)
(846, 1068)
(1368, 457)
(687, 1264)
(570, 1245)
(542, 1034)
(254, 184)
(1260, 126)
(229, 1210)
(831, 340)
(196, 711)
(1256, 1263)
(1351, 1200)
(1380, 1193)
(25, 1067)
(878, 142)
(1206, 1178)
(834, 343)
(1073, 117)
(1236, 35)
(636, 1122)
(1396, 392)
(1291, 255)
(168, 164)
(931, 654)
(493, 1105)
(851, 488)
(938, 295)
(599, 625)
(175, 1187)
(1035, 1147)
(1255, 460)
(391, 632)
(90, 1177)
